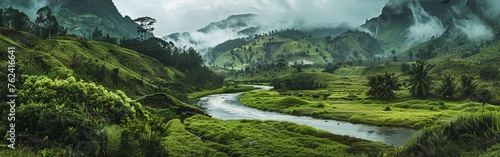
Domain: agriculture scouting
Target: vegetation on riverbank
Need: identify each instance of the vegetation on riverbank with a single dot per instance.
(406, 113)
(225, 89)
(261, 138)
(467, 135)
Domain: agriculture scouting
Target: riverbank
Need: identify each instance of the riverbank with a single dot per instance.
(407, 113)
(231, 89)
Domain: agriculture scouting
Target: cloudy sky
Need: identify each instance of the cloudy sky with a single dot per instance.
(189, 15)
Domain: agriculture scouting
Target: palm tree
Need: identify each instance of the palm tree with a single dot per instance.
(420, 81)
(373, 91)
(448, 87)
(391, 80)
(468, 85)
(382, 85)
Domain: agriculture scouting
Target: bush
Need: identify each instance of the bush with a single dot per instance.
(387, 108)
(69, 112)
(320, 105)
(442, 106)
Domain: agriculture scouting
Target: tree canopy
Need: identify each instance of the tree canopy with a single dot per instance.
(145, 26)
(46, 23)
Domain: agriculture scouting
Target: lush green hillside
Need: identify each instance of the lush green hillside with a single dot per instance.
(112, 66)
(295, 47)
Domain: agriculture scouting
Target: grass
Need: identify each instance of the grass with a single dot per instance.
(240, 88)
(467, 135)
(262, 138)
(348, 105)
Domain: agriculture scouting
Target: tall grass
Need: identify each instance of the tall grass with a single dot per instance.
(467, 135)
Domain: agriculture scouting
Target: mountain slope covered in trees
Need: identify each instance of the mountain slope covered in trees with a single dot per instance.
(296, 47)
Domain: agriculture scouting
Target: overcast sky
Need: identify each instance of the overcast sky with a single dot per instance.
(189, 15)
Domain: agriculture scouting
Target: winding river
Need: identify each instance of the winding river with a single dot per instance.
(228, 107)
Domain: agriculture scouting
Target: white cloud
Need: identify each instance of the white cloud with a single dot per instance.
(424, 26)
(474, 28)
(189, 15)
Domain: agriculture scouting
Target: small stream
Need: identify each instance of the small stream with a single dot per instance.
(228, 107)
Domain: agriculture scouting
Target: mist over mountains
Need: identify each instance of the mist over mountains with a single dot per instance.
(405, 23)
(248, 25)
(401, 24)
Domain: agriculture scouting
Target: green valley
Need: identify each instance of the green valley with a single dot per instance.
(286, 78)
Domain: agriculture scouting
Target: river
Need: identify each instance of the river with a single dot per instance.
(228, 107)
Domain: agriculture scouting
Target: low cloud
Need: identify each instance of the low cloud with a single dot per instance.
(474, 28)
(425, 26)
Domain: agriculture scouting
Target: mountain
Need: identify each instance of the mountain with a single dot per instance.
(236, 28)
(406, 23)
(296, 47)
(81, 17)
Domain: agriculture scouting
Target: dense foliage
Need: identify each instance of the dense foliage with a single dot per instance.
(45, 25)
(70, 113)
(186, 60)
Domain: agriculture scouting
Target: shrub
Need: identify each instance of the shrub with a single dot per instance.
(442, 106)
(320, 105)
(387, 108)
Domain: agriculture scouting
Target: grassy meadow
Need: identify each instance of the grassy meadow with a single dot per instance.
(345, 98)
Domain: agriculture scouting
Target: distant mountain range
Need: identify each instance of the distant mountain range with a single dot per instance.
(244, 26)
(402, 26)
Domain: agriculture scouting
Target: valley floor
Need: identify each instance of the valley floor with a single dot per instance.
(410, 113)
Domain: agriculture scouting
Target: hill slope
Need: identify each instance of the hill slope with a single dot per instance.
(112, 66)
(296, 47)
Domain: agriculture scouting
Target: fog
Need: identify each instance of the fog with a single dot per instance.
(424, 26)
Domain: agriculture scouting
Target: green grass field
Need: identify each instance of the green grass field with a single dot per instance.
(342, 106)
(345, 99)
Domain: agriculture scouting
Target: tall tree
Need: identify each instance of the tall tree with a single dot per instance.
(410, 56)
(46, 23)
(420, 81)
(16, 19)
(145, 26)
(97, 34)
